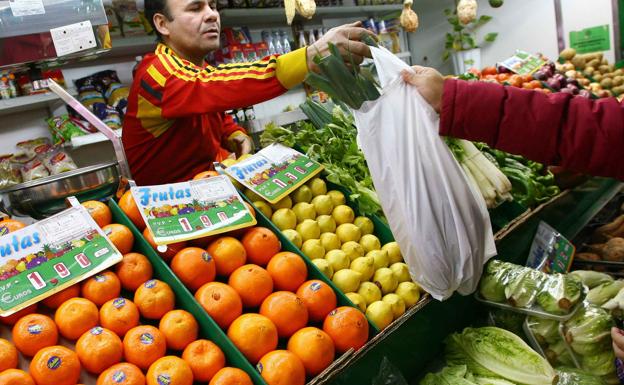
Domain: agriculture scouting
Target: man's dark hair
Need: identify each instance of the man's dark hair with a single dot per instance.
(153, 7)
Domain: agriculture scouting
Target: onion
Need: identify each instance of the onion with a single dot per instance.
(574, 88)
(567, 91)
(585, 94)
(554, 84)
(540, 75)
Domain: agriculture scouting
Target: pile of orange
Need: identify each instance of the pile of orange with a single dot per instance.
(110, 342)
(259, 295)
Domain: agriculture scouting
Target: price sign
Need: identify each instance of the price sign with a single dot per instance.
(550, 252)
(523, 63)
(49, 256)
(189, 210)
(274, 172)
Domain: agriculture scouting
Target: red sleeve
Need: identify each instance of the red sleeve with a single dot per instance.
(229, 127)
(576, 133)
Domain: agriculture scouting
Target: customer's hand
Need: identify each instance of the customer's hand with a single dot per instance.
(428, 82)
(244, 144)
(347, 38)
(618, 342)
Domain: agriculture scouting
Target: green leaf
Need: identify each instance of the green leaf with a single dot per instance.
(490, 37)
(448, 12)
(446, 55)
(484, 19)
(469, 62)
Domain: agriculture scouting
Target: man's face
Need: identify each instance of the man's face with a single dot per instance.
(195, 26)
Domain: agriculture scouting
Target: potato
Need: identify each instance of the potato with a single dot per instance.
(578, 62)
(604, 94)
(589, 70)
(618, 81)
(604, 69)
(606, 83)
(604, 61)
(567, 53)
(611, 67)
(571, 74)
(593, 63)
(559, 67)
(618, 90)
(595, 87)
(597, 77)
(618, 72)
(568, 67)
(584, 82)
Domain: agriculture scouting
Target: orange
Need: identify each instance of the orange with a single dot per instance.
(261, 245)
(287, 311)
(347, 327)
(8, 355)
(120, 236)
(129, 207)
(119, 315)
(252, 283)
(10, 225)
(15, 377)
(205, 359)
(99, 349)
(133, 270)
(282, 367)
(99, 211)
(179, 328)
(288, 271)
(13, 318)
(231, 376)
(318, 297)
(229, 254)
(143, 345)
(75, 317)
(101, 288)
(205, 175)
(56, 300)
(55, 365)
(33, 333)
(221, 302)
(314, 347)
(254, 335)
(154, 298)
(170, 370)
(122, 374)
(172, 249)
(194, 267)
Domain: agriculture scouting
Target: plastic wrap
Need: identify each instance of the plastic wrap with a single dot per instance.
(32, 148)
(58, 161)
(560, 293)
(33, 169)
(9, 172)
(63, 129)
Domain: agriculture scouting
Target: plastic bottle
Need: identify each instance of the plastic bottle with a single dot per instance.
(279, 49)
(311, 39)
(285, 42)
(302, 39)
(4, 88)
(12, 86)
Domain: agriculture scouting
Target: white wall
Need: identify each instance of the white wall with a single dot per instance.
(577, 16)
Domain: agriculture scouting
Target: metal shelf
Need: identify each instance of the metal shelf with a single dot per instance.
(29, 103)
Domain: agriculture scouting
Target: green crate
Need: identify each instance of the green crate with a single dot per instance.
(186, 301)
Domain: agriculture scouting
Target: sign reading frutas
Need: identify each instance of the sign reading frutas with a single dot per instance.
(595, 39)
(50, 255)
(189, 210)
(274, 172)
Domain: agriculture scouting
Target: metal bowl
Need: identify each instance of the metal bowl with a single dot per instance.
(44, 197)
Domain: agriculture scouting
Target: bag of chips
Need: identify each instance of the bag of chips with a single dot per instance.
(34, 147)
(64, 129)
(9, 172)
(58, 161)
(33, 169)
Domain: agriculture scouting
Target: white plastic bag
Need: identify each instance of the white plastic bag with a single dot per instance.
(440, 222)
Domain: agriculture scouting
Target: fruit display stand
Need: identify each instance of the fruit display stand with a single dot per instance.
(419, 339)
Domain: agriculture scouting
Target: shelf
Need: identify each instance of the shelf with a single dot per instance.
(84, 140)
(131, 46)
(282, 119)
(28, 103)
(255, 16)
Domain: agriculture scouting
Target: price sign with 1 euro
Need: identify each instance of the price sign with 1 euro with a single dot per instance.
(183, 211)
(550, 252)
(51, 255)
(274, 172)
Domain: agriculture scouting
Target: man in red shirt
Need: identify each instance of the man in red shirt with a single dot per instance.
(175, 125)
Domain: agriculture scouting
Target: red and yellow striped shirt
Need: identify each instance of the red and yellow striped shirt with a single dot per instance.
(175, 125)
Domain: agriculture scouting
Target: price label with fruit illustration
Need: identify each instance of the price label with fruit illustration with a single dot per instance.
(274, 172)
(48, 256)
(523, 63)
(189, 210)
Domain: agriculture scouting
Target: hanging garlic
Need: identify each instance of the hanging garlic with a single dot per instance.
(290, 6)
(467, 11)
(409, 18)
(306, 8)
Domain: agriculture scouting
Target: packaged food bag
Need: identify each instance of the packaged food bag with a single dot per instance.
(440, 222)
(58, 161)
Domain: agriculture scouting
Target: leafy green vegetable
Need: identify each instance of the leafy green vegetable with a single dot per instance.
(558, 354)
(496, 353)
(334, 145)
(603, 293)
(508, 320)
(573, 376)
(522, 291)
(546, 331)
(495, 278)
(590, 325)
(591, 278)
(601, 364)
(560, 293)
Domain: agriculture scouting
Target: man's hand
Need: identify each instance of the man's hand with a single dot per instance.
(244, 145)
(618, 342)
(347, 39)
(428, 82)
